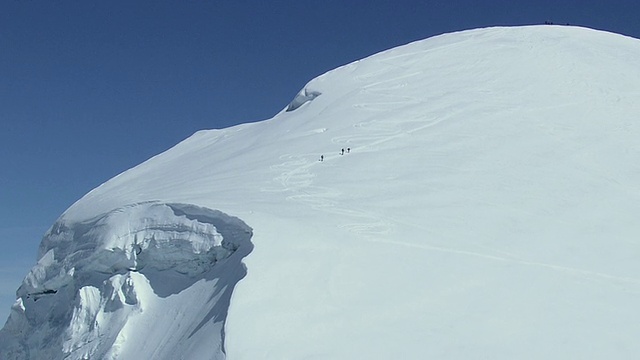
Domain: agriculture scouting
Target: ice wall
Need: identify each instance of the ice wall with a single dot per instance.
(93, 277)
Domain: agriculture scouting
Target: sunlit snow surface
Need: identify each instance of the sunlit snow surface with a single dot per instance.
(487, 209)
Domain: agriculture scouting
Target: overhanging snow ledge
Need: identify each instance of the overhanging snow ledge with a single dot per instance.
(90, 276)
(304, 96)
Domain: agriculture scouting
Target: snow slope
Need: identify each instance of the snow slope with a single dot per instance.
(486, 209)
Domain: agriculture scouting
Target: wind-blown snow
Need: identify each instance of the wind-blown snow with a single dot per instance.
(486, 208)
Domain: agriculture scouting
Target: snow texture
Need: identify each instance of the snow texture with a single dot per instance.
(485, 208)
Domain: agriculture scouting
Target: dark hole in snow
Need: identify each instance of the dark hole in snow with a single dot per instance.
(37, 295)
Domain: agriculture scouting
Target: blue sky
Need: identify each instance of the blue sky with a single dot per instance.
(90, 88)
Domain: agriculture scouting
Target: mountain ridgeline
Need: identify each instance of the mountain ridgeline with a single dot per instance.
(486, 208)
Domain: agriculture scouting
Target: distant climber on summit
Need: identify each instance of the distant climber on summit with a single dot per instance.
(342, 152)
(321, 157)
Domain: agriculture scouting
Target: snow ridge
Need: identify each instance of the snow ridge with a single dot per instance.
(487, 208)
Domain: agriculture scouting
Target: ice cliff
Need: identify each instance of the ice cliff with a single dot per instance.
(96, 276)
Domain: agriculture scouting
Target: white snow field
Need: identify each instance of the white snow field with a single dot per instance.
(487, 208)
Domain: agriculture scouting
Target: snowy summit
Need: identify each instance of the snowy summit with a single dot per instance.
(472, 195)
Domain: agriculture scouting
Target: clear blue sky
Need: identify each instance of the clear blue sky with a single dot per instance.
(91, 88)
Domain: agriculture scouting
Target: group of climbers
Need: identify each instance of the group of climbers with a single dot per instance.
(342, 152)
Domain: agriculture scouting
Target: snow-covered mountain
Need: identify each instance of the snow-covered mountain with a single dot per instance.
(485, 207)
